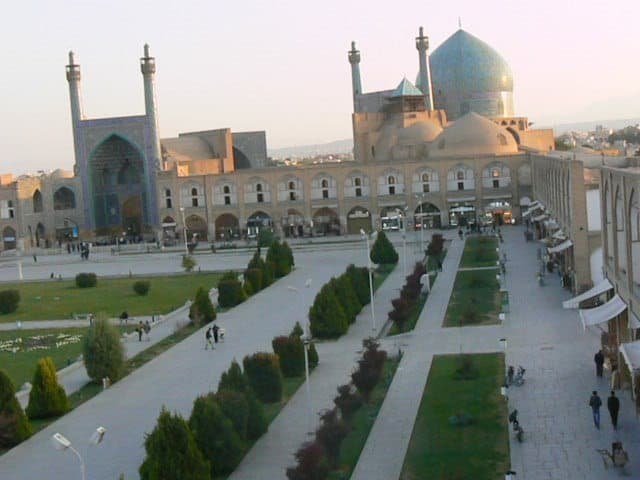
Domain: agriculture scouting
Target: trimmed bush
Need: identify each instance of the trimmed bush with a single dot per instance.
(290, 351)
(230, 291)
(312, 463)
(370, 366)
(234, 379)
(400, 313)
(297, 330)
(382, 251)
(14, 424)
(330, 435)
(360, 280)
(327, 318)
(141, 287)
(279, 258)
(263, 371)
(9, 300)
(288, 253)
(188, 263)
(436, 246)
(234, 405)
(253, 277)
(102, 351)
(314, 359)
(202, 310)
(266, 237)
(172, 452)
(347, 296)
(86, 280)
(47, 398)
(215, 436)
(347, 401)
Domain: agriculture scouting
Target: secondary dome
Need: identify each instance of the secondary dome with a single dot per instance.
(400, 143)
(469, 75)
(419, 132)
(473, 135)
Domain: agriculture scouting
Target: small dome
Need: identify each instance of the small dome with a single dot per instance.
(473, 135)
(393, 137)
(418, 132)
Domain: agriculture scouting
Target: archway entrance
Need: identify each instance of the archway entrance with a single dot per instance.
(132, 216)
(196, 228)
(40, 237)
(9, 238)
(462, 215)
(326, 222)
(168, 231)
(227, 227)
(256, 222)
(497, 213)
(293, 223)
(427, 215)
(358, 218)
(391, 218)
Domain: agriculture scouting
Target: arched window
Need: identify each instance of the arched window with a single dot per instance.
(258, 187)
(37, 202)
(64, 199)
(194, 191)
(502, 139)
(391, 180)
(425, 177)
(292, 185)
(460, 175)
(357, 182)
(195, 198)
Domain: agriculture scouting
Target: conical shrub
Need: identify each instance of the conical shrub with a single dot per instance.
(47, 397)
(14, 424)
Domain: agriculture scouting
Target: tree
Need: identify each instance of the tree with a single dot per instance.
(14, 424)
(9, 300)
(102, 351)
(47, 398)
(370, 366)
(288, 253)
(215, 436)
(279, 258)
(290, 351)
(382, 251)
(326, 316)
(188, 263)
(265, 378)
(347, 401)
(330, 434)
(359, 277)
(312, 463)
(141, 287)
(347, 296)
(253, 277)
(202, 310)
(172, 452)
(230, 291)
(234, 406)
(266, 237)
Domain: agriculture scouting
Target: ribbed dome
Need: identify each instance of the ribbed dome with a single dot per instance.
(469, 75)
(473, 135)
(398, 143)
(419, 132)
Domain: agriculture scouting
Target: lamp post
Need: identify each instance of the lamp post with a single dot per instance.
(306, 340)
(62, 443)
(184, 230)
(421, 197)
(403, 218)
(373, 314)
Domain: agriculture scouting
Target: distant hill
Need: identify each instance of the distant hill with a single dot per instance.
(338, 146)
(590, 126)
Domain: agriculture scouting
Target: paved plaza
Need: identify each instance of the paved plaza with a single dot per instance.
(560, 439)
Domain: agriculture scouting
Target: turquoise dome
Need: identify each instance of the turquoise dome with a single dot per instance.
(469, 75)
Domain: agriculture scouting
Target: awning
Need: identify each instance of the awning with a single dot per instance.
(596, 290)
(551, 224)
(168, 224)
(634, 322)
(559, 235)
(540, 217)
(631, 353)
(603, 313)
(559, 248)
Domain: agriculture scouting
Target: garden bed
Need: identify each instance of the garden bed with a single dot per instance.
(479, 252)
(475, 299)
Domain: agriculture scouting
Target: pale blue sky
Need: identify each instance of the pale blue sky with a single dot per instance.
(281, 65)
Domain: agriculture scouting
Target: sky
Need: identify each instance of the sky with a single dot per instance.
(281, 65)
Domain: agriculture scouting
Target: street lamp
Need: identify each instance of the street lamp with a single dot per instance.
(184, 230)
(364, 235)
(306, 340)
(421, 197)
(403, 217)
(62, 443)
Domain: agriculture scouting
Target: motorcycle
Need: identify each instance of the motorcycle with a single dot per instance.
(515, 377)
(517, 429)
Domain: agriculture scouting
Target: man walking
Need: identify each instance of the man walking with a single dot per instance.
(207, 337)
(613, 404)
(215, 329)
(595, 403)
(598, 358)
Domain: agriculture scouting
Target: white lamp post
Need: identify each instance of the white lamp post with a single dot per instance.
(61, 443)
(373, 314)
(306, 339)
(421, 197)
(184, 230)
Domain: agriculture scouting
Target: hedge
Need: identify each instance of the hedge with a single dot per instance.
(86, 280)
(9, 300)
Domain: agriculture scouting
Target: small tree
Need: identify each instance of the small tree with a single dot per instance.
(382, 251)
(279, 258)
(215, 435)
(266, 237)
(369, 371)
(253, 277)
(290, 351)
(188, 263)
(47, 398)
(9, 300)
(312, 463)
(330, 435)
(172, 452)
(265, 378)
(202, 310)
(288, 253)
(14, 424)
(234, 406)
(86, 280)
(141, 287)
(327, 318)
(347, 401)
(102, 351)
(360, 280)
(229, 290)
(347, 296)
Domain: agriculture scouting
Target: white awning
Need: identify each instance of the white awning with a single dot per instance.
(596, 290)
(168, 224)
(634, 322)
(631, 353)
(559, 248)
(603, 313)
(559, 235)
(540, 217)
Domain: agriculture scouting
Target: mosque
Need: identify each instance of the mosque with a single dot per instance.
(446, 151)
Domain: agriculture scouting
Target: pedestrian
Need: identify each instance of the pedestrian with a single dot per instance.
(147, 329)
(460, 233)
(613, 405)
(598, 358)
(35, 258)
(207, 337)
(140, 329)
(215, 332)
(124, 316)
(595, 403)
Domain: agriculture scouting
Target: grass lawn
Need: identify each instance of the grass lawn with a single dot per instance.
(362, 423)
(479, 252)
(475, 299)
(55, 300)
(439, 450)
(32, 345)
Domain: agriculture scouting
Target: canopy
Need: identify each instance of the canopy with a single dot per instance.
(596, 290)
(559, 248)
(634, 322)
(603, 313)
(539, 217)
(631, 353)
(559, 235)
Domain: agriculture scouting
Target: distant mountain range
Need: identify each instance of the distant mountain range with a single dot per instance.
(338, 146)
(590, 126)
